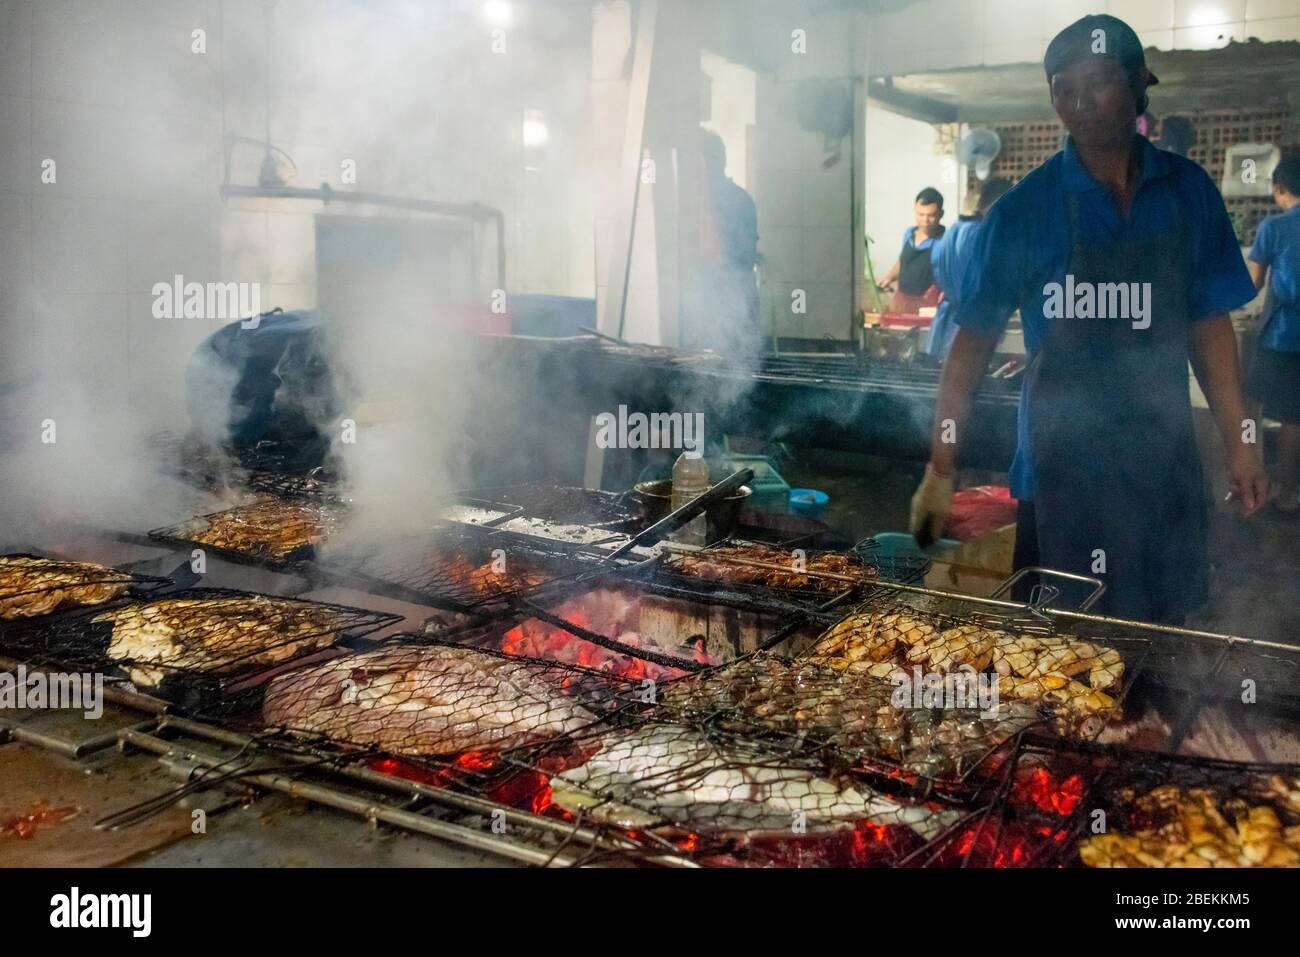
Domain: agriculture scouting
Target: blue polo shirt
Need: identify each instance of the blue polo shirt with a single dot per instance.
(950, 257)
(1277, 246)
(1025, 244)
(909, 239)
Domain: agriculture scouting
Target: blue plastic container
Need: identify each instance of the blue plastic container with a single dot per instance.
(809, 502)
(903, 545)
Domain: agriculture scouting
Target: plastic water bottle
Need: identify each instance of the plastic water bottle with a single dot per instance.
(690, 481)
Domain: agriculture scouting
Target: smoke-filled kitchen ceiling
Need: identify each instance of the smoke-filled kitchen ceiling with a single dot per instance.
(1261, 74)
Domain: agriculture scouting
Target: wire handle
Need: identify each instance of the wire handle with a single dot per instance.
(1099, 587)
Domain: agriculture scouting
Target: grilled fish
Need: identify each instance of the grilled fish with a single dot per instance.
(215, 635)
(31, 586)
(713, 565)
(667, 774)
(271, 527)
(424, 700)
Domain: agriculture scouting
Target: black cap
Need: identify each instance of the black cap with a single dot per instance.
(1096, 35)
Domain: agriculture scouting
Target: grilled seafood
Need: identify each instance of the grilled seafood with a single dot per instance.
(811, 706)
(423, 700)
(488, 582)
(215, 634)
(663, 774)
(713, 565)
(270, 527)
(31, 586)
(1195, 827)
(1043, 670)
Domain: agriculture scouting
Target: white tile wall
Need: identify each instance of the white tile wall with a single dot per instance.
(1282, 28)
(77, 245)
(1208, 37)
(1269, 9)
(17, 171)
(1199, 13)
(15, 248)
(16, 47)
(166, 239)
(77, 51)
(1144, 15)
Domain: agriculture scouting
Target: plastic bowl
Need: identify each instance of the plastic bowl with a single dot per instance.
(808, 501)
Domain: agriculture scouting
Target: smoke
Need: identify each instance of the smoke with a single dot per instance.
(403, 99)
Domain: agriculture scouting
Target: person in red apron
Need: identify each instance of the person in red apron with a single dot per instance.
(1122, 262)
(913, 273)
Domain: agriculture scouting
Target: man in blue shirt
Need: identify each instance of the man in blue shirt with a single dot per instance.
(1122, 262)
(951, 258)
(913, 274)
(1275, 374)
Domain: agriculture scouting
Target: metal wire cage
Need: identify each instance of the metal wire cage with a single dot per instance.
(32, 586)
(275, 532)
(199, 647)
(1100, 806)
(595, 750)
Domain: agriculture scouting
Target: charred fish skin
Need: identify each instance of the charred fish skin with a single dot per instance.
(423, 700)
(31, 586)
(668, 774)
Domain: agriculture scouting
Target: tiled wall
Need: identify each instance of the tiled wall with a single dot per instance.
(945, 34)
(901, 161)
(804, 196)
(113, 92)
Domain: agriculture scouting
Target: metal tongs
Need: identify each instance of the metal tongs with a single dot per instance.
(692, 509)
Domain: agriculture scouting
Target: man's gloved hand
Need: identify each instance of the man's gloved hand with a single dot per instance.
(931, 506)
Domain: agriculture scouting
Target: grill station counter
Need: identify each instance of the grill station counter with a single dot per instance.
(670, 707)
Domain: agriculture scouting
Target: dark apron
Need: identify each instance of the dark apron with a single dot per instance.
(915, 271)
(1116, 465)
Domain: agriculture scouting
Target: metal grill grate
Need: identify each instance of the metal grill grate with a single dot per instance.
(200, 647)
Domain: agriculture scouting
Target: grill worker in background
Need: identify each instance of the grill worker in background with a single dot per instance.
(720, 294)
(913, 271)
(951, 258)
(1275, 373)
(1106, 466)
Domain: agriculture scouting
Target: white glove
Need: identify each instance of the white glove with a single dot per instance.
(931, 506)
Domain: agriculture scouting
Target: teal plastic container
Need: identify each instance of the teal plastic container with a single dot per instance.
(771, 492)
(903, 545)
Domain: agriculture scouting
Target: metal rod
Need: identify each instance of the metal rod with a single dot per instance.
(325, 194)
(329, 797)
(400, 785)
(1019, 606)
(680, 516)
(668, 661)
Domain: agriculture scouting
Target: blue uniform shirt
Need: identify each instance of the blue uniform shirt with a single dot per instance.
(1025, 244)
(909, 239)
(951, 257)
(1277, 246)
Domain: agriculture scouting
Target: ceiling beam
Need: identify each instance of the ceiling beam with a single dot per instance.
(911, 105)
